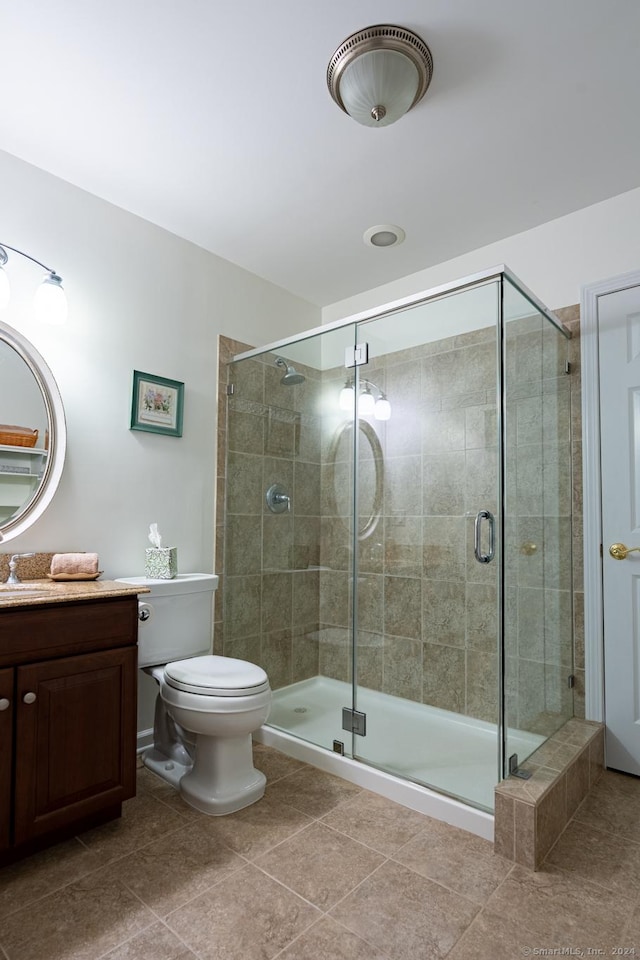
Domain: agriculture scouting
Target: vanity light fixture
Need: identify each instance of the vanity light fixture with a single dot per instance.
(371, 400)
(50, 301)
(378, 74)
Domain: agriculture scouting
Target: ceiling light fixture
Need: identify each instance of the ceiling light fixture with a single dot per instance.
(50, 301)
(378, 74)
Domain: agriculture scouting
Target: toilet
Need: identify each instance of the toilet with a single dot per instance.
(208, 706)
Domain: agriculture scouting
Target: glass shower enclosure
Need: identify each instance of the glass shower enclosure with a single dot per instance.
(397, 520)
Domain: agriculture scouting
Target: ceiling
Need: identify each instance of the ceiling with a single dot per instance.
(212, 119)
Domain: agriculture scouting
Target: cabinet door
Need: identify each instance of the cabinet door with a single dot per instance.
(6, 754)
(75, 739)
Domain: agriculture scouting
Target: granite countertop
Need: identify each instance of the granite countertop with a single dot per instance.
(32, 592)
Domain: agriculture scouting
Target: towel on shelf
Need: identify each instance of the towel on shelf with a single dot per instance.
(74, 566)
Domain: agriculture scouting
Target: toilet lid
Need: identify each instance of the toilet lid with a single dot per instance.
(216, 676)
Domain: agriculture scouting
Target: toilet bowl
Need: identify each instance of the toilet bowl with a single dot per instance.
(221, 701)
(207, 706)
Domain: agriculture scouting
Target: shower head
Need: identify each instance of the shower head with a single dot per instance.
(291, 375)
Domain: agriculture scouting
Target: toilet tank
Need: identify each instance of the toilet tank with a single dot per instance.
(181, 621)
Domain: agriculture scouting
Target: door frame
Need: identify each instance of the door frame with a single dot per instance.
(592, 488)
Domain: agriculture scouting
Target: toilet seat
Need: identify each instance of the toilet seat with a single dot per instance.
(216, 677)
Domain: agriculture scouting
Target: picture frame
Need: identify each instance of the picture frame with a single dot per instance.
(157, 404)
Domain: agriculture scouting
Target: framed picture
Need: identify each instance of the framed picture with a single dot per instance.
(156, 405)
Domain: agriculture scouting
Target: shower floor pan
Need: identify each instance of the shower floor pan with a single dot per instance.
(446, 751)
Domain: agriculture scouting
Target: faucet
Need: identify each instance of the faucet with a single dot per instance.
(13, 563)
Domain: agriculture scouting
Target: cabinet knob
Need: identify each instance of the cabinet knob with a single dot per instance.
(29, 698)
(4, 703)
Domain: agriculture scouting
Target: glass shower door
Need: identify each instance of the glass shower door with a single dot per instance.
(538, 661)
(289, 529)
(426, 655)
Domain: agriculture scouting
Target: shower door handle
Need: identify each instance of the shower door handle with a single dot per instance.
(477, 538)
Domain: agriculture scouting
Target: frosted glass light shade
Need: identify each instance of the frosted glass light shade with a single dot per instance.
(347, 398)
(50, 301)
(382, 409)
(366, 403)
(380, 78)
(5, 289)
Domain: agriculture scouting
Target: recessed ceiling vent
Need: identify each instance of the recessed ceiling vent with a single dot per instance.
(383, 235)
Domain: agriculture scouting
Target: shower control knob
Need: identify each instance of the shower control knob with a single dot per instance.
(29, 697)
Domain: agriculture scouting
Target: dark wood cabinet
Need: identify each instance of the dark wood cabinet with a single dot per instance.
(68, 736)
(6, 755)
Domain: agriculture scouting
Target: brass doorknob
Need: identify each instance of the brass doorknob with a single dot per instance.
(619, 552)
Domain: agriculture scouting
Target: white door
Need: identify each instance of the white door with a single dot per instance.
(619, 375)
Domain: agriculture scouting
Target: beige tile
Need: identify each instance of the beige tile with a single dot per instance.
(257, 828)
(551, 818)
(482, 680)
(376, 821)
(458, 860)
(525, 833)
(274, 764)
(43, 873)
(614, 806)
(144, 818)
(443, 606)
(556, 907)
(154, 943)
(312, 791)
(402, 668)
(173, 870)
(578, 781)
(504, 826)
(402, 607)
(596, 758)
(328, 939)
(631, 934)
(443, 677)
(404, 914)
(577, 731)
(609, 861)
(248, 916)
(491, 938)
(319, 864)
(80, 922)
(148, 782)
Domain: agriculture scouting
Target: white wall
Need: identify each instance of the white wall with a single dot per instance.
(139, 298)
(554, 260)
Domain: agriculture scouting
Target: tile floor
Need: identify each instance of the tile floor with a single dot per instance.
(322, 870)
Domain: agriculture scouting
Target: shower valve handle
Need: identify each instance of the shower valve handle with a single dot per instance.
(278, 500)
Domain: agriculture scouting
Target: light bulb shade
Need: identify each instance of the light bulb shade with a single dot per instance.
(379, 79)
(382, 410)
(347, 398)
(50, 301)
(378, 74)
(366, 403)
(5, 289)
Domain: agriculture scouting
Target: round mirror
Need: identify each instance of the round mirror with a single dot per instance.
(370, 476)
(33, 436)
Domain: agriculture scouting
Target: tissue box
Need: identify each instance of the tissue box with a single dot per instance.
(161, 563)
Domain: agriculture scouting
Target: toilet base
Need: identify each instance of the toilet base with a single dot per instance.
(223, 778)
(163, 766)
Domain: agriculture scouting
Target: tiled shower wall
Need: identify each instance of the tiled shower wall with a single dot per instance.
(268, 599)
(426, 608)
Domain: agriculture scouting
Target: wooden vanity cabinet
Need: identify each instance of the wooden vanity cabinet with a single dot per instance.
(68, 739)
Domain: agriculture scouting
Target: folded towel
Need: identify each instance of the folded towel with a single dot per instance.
(79, 566)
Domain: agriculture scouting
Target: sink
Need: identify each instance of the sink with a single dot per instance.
(17, 590)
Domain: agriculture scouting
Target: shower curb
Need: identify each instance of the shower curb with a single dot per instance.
(531, 814)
